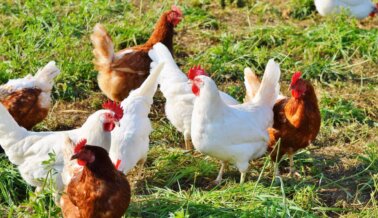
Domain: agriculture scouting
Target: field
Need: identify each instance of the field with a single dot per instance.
(338, 54)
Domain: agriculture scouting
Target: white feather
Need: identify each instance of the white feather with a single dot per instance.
(176, 90)
(130, 141)
(28, 149)
(234, 133)
(357, 8)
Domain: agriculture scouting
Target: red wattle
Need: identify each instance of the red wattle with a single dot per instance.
(295, 94)
(195, 90)
(108, 127)
(117, 164)
(81, 162)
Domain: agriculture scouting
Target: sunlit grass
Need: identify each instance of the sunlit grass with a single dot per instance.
(338, 55)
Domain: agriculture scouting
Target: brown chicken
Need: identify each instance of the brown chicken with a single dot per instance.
(121, 72)
(28, 99)
(99, 190)
(296, 119)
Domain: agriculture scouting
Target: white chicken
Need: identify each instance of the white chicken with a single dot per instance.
(357, 8)
(130, 141)
(28, 150)
(28, 99)
(177, 91)
(234, 133)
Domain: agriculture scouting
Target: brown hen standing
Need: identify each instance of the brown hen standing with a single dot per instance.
(99, 190)
(121, 72)
(296, 119)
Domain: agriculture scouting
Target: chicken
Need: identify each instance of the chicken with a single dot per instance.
(357, 8)
(296, 120)
(175, 88)
(99, 190)
(233, 133)
(28, 99)
(130, 141)
(28, 150)
(70, 168)
(126, 70)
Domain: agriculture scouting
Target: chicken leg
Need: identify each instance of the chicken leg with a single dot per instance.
(188, 142)
(220, 174)
(292, 171)
(140, 169)
(276, 170)
(242, 177)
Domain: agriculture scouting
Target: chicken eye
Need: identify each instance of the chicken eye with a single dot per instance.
(105, 117)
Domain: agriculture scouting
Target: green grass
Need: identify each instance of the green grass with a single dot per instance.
(339, 55)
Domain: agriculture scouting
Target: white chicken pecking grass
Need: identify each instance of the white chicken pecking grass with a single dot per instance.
(29, 150)
(177, 92)
(357, 8)
(234, 133)
(130, 141)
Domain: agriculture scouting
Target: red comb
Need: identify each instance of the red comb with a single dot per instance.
(295, 77)
(375, 11)
(116, 108)
(177, 10)
(80, 145)
(117, 164)
(196, 71)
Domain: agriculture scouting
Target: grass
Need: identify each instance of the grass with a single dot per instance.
(339, 55)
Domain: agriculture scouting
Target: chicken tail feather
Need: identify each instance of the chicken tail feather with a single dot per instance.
(45, 76)
(269, 88)
(251, 83)
(149, 86)
(10, 131)
(103, 48)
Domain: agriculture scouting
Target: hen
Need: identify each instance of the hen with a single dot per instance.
(357, 8)
(233, 133)
(121, 72)
(130, 141)
(296, 120)
(28, 99)
(99, 190)
(177, 92)
(28, 150)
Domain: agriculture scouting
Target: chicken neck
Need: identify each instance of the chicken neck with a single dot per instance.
(163, 33)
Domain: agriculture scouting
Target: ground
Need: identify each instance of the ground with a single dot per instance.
(338, 55)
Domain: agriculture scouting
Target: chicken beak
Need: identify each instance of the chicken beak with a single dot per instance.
(190, 82)
(116, 122)
(75, 156)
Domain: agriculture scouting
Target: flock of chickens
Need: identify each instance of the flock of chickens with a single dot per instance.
(91, 162)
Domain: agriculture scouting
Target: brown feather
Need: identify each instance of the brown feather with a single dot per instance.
(99, 190)
(296, 123)
(69, 210)
(24, 106)
(128, 70)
